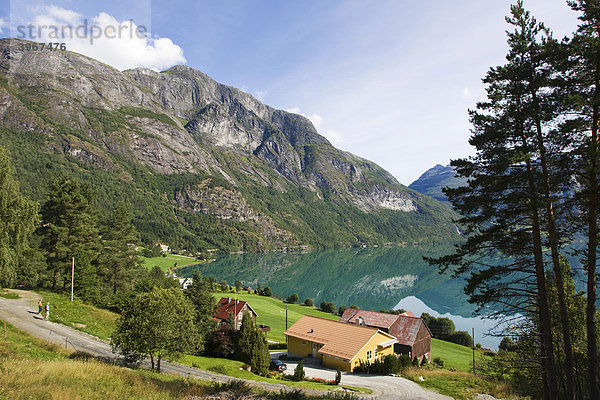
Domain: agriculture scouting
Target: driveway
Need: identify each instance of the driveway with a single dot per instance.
(383, 387)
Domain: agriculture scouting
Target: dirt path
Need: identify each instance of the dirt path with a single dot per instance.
(22, 313)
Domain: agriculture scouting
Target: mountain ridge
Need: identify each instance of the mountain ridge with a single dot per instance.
(209, 148)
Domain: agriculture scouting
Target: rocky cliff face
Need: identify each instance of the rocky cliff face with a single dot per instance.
(180, 122)
(434, 179)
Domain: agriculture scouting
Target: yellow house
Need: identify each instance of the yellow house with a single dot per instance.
(337, 344)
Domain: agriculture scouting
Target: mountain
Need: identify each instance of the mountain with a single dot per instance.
(434, 179)
(204, 165)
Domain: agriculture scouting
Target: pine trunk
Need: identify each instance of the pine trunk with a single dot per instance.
(556, 265)
(543, 307)
(591, 323)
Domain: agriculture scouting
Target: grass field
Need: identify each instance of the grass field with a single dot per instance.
(33, 369)
(271, 312)
(168, 262)
(454, 355)
(458, 384)
(84, 317)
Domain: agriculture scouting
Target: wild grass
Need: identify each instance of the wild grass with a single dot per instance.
(458, 384)
(30, 368)
(84, 317)
(455, 356)
(9, 295)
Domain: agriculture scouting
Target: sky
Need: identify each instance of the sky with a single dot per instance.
(390, 81)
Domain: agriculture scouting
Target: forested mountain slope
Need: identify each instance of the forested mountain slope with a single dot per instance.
(204, 165)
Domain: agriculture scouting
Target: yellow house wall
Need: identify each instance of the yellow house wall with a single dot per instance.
(372, 345)
(335, 363)
(299, 347)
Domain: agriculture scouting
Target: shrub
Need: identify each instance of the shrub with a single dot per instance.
(338, 376)
(341, 310)
(277, 346)
(328, 307)
(292, 298)
(424, 362)
(224, 286)
(461, 337)
(415, 362)
(438, 362)
(267, 291)
(299, 372)
(308, 302)
(219, 369)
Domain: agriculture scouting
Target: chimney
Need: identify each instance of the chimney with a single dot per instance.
(237, 302)
(229, 299)
(360, 321)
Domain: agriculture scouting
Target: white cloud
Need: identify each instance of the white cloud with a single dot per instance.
(3, 24)
(260, 95)
(466, 93)
(121, 44)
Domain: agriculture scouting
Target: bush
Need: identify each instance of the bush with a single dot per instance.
(341, 310)
(308, 302)
(424, 362)
(328, 307)
(438, 362)
(299, 372)
(267, 291)
(461, 337)
(292, 298)
(415, 362)
(338, 376)
(224, 286)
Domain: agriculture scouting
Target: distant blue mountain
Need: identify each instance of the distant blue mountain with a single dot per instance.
(434, 179)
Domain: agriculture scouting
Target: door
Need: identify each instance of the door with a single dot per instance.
(314, 349)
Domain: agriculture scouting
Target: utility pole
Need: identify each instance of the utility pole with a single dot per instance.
(286, 319)
(72, 277)
(473, 349)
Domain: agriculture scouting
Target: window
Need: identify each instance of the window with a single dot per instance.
(369, 355)
(376, 353)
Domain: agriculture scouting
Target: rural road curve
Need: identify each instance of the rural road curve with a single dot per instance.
(22, 313)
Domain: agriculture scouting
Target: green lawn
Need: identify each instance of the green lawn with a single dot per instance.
(169, 261)
(84, 317)
(234, 368)
(271, 312)
(454, 355)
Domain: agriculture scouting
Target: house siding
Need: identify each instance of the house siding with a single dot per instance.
(303, 348)
(422, 345)
(372, 345)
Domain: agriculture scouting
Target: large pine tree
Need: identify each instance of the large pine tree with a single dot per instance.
(18, 217)
(70, 229)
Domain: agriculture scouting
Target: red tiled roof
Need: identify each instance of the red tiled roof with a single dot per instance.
(227, 306)
(404, 327)
(371, 318)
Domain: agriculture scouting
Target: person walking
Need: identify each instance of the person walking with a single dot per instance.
(47, 311)
(40, 307)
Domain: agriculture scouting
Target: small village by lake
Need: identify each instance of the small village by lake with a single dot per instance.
(370, 278)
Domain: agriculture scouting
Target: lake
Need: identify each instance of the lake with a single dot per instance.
(371, 278)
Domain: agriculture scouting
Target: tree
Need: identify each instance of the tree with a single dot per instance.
(18, 217)
(504, 207)
(507, 344)
(267, 291)
(204, 303)
(308, 302)
(341, 310)
(328, 307)
(70, 229)
(158, 324)
(584, 92)
(292, 298)
(299, 372)
(338, 376)
(252, 347)
(224, 286)
(120, 259)
(238, 285)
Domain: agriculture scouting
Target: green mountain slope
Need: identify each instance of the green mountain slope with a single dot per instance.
(204, 165)
(434, 179)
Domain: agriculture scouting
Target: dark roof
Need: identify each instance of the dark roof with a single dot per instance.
(404, 327)
(227, 306)
(370, 318)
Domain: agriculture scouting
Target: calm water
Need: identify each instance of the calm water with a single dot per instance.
(371, 278)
